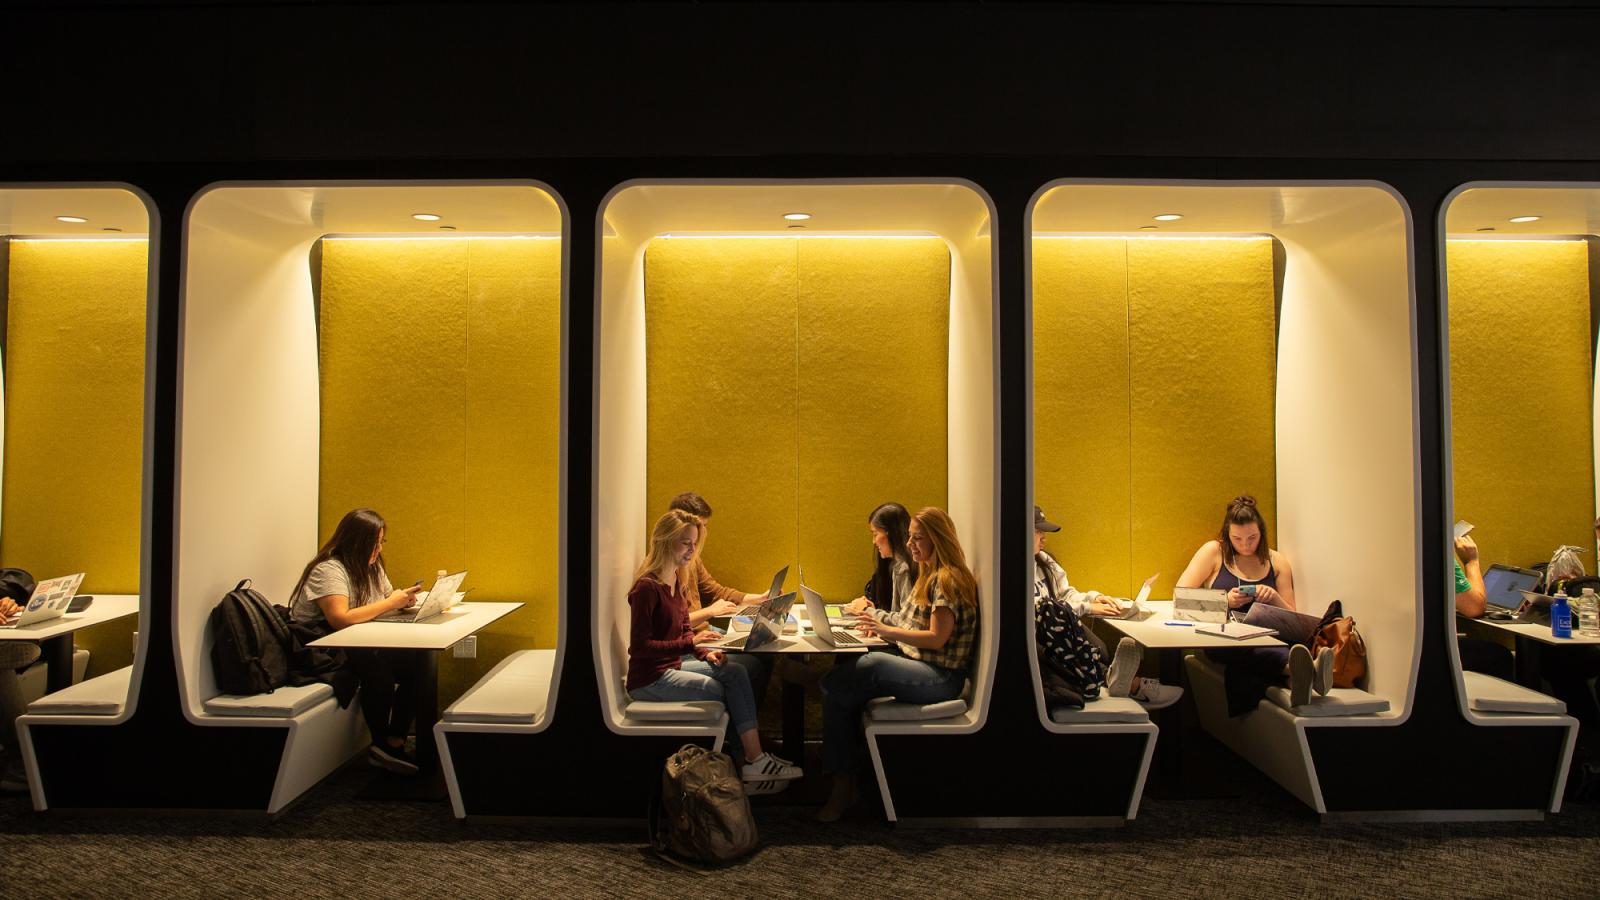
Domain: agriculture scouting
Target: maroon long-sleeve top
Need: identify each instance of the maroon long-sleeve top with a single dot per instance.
(659, 633)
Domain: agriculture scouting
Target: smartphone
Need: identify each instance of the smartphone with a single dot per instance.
(1249, 590)
(80, 603)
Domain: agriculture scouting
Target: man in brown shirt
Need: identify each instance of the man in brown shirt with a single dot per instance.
(715, 599)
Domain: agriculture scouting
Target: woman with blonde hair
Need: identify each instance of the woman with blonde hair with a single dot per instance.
(932, 638)
(665, 659)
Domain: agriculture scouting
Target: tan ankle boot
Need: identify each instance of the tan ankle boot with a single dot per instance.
(841, 798)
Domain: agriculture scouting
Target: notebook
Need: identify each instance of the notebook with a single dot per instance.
(1236, 630)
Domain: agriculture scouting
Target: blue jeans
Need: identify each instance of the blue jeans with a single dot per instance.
(699, 680)
(857, 679)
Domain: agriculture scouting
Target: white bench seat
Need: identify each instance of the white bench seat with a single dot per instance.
(700, 712)
(514, 692)
(888, 709)
(283, 703)
(106, 695)
(1486, 693)
(1337, 702)
(1104, 711)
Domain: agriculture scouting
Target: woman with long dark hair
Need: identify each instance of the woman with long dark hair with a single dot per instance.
(345, 584)
(894, 570)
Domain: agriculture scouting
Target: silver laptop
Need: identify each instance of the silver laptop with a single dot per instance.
(772, 594)
(50, 600)
(1503, 587)
(817, 612)
(440, 598)
(766, 627)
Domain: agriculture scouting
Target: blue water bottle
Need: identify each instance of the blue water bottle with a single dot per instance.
(1561, 617)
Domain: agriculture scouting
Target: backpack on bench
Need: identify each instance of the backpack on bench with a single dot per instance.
(251, 644)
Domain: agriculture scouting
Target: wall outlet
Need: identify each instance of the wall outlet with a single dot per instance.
(467, 647)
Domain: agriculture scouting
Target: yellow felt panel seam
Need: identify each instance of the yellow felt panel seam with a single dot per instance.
(1202, 336)
(74, 394)
(720, 351)
(1145, 427)
(440, 368)
(1080, 420)
(872, 388)
(1521, 366)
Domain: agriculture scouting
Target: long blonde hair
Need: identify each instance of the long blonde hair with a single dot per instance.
(948, 567)
(667, 530)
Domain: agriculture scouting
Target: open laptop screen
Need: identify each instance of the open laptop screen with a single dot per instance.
(1503, 585)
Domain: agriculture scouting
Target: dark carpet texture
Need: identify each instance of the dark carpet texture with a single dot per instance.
(1259, 843)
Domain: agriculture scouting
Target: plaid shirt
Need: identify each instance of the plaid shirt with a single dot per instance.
(958, 651)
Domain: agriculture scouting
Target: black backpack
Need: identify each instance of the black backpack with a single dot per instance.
(701, 814)
(251, 644)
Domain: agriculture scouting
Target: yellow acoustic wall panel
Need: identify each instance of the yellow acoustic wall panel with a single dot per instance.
(1197, 350)
(1520, 396)
(74, 437)
(720, 351)
(440, 386)
(1080, 409)
(797, 384)
(874, 365)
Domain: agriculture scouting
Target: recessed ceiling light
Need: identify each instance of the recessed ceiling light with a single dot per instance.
(1520, 219)
(797, 217)
(1168, 217)
(75, 220)
(425, 217)
(1487, 228)
(110, 229)
(447, 228)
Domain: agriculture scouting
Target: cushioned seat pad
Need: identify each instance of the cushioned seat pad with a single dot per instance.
(888, 709)
(708, 711)
(1486, 693)
(1338, 702)
(514, 692)
(102, 696)
(1106, 710)
(283, 703)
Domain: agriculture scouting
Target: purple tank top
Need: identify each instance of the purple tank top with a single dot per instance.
(1226, 580)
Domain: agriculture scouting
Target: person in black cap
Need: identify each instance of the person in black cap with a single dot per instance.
(1050, 583)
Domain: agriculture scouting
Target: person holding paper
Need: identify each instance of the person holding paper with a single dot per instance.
(666, 661)
(1050, 583)
(1476, 655)
(345, 584)
(933, 638)
(1239, 561)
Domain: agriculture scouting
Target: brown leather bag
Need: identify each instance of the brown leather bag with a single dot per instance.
(1349, 650)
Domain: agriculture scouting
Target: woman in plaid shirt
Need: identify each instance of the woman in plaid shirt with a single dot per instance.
(932, 636)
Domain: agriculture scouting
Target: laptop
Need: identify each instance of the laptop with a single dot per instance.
(439, 599)
(1503, 587)
(1292, 627)
(766, 626)
(50, 600)
(1134, 610)
(772, 594)
(817, 612)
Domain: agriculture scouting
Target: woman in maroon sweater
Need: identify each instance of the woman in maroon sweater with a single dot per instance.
(665, 661)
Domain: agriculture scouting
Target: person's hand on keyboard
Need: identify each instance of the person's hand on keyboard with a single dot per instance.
(8, 610)
(706, 637)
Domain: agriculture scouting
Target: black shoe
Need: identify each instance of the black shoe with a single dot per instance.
(392, 759)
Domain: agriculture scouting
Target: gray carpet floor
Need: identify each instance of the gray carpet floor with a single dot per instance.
(1259, 842)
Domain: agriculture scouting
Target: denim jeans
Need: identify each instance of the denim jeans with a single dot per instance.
(857, 679)
(698, 680)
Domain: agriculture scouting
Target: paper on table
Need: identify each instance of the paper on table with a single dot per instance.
(1236, 630)
(1461, 529)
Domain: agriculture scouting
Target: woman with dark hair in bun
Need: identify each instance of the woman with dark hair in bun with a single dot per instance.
(1239, 561)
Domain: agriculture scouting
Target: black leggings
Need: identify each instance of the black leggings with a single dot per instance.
(388, 690)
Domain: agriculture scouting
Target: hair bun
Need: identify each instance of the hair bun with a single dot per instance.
(1245, 500)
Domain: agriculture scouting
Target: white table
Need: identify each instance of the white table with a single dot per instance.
(55, 635)
(425, 639)
(1529, 636)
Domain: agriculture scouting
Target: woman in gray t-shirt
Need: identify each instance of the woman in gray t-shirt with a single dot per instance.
(345, 584)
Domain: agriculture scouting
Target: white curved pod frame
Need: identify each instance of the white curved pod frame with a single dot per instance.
(114, 212)
(635, 212)
(1565, 210)
(1347, 408)
(249, 405)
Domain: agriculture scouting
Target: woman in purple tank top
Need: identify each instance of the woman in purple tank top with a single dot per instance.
(1240, 562)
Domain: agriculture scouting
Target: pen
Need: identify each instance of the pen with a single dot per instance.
(1180, 624)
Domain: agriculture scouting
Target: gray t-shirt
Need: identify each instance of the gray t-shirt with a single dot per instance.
(329, 579)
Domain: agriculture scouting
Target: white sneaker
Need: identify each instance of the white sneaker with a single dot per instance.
(1302, 672)
(1152, 694)
(757, 788)
(767, 767)
(1124, 666)
(1324, 680)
